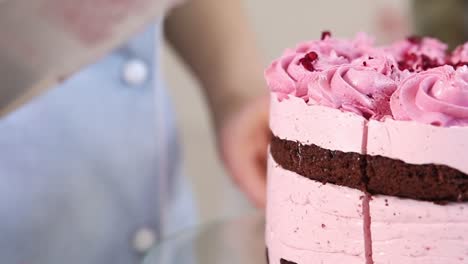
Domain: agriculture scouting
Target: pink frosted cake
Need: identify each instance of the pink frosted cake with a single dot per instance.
(369, 157)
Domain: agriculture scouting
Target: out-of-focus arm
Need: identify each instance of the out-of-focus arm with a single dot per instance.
(214, 39)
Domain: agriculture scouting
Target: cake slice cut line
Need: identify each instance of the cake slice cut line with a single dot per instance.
(366, 219)
(366, 216)
(436, 183)
(454, 212)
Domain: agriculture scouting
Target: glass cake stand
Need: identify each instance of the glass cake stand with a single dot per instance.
(227, 242)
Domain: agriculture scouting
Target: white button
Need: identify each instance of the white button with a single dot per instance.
(135, 72)
(144, 240)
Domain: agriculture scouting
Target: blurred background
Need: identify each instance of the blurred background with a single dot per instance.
(278, 25)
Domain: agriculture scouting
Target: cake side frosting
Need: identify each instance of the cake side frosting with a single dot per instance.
(311, 222)
(438, 96)
(381, 157)
(308, 221)
(326, 127)
(409, 231)
(417, 143)
(409, 141)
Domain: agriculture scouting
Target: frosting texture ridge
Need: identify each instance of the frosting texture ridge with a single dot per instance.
(284, 73)
(438, 97)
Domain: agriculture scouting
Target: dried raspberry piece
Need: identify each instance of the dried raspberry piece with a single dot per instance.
(308, 60)
(417, 40)
(326, 34)
(312, 56)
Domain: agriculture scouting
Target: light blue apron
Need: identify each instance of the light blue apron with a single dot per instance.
(89, 172)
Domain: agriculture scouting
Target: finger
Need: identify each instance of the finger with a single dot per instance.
(255, 164)
(246, 172)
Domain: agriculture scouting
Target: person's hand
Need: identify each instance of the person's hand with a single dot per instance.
(244, 140)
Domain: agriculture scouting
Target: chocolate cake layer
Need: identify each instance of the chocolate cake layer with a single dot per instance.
(373, 174)
(283, 261)
(319, 164)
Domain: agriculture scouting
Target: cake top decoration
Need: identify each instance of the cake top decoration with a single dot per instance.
(413, 79)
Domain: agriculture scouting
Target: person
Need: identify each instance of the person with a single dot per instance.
(90, 171)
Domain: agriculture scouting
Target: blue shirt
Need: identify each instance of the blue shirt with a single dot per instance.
(89, 172)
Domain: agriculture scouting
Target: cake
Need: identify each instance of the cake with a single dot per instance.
(368, 161)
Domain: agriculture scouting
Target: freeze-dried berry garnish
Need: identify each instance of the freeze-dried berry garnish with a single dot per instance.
(410, 57)
(308, 60)
(312, 56)
(408, 62)
(367, 115)
(413, 62)
(428, 63)
(460, 64)
(417, 40)
(326, 34)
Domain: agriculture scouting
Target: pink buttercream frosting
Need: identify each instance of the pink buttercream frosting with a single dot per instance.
(460, 55)
(362, 87)
(284, 73)
(437, 96)
(413, 52)
(413, 79)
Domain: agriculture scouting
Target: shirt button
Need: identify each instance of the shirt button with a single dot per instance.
(135, 72)
(144, 239)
